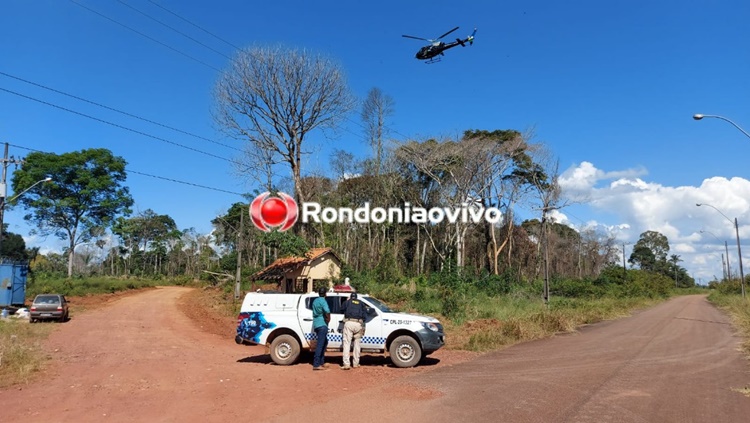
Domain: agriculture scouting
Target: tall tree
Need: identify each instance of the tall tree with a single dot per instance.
(147, 232)
(650, 252)
(85, 196)
(13, 246)
(274, 97)
(376, 108)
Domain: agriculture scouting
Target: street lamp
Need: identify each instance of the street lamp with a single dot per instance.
(3, 202)
(726, 248)
(699, 116)
(739, 251)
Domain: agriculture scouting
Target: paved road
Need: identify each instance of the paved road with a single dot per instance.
(677, 362)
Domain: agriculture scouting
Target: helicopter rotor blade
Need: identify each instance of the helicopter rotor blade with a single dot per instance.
(416, 38)
(447, 33)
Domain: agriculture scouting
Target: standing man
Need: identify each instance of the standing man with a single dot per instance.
(321, 317)
(355, 314)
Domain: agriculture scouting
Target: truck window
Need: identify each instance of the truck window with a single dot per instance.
(334, 303)
(378, 304)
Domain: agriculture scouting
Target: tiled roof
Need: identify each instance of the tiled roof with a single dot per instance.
(279, 267)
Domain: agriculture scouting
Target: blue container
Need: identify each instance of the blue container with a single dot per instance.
(13, 283)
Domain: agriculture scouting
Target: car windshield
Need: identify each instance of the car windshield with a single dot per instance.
(47, 299)
(379, 304)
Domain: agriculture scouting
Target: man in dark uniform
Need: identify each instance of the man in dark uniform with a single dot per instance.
(355, 314)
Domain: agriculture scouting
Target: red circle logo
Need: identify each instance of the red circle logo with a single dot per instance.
(269, 212)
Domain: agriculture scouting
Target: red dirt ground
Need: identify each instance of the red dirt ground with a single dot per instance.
(162, 355)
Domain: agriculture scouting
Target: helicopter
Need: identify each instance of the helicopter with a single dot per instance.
(437, 47)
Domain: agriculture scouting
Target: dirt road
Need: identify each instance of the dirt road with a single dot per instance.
(677, 362)
(141, 359)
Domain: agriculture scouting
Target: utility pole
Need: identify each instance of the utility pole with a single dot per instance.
(237, 281)
(729, 273)
(624, 269)
(545, 245)
(4, 191)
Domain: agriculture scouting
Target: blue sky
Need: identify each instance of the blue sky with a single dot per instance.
(609, 87)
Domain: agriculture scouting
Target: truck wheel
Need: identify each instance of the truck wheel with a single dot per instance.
(405, 351)
(285, 350)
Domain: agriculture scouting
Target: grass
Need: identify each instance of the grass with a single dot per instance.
(739, 311)
(21, 354)
(494, 323)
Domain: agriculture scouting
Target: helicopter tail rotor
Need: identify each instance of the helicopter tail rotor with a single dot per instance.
(470, 38)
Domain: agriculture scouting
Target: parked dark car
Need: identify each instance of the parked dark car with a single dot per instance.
(49, 307)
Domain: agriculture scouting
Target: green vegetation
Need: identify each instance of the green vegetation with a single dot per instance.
(20, 352)
(82, 199)
(88, 286)
(486, 312)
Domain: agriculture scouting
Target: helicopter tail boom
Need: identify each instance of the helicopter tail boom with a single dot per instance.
(469, 39)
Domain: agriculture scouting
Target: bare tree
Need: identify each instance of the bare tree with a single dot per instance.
(274, 97)
(343, 164)
(547, 187)
(377, 107)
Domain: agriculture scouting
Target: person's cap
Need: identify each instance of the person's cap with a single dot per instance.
(354, 296)
(322, 291)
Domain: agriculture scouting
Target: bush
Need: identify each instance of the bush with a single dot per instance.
(727, 287)
(577, 288)
(494, 285)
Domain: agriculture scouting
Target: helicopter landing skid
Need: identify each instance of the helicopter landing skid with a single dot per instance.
(433, 60)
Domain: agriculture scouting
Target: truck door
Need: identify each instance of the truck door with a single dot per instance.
(335, 338)
(374, 337)
(305, 321)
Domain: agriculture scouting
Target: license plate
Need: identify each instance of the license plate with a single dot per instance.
(46, 314)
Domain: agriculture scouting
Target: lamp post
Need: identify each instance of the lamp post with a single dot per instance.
(3, 202)
(739, 250)
(699, 116)
(727, 274)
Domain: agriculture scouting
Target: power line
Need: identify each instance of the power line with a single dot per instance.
(174, 29)
(185, 183)
(118, 111)
(117, 125)
(144, 35)
(193, 24)
(146, 174)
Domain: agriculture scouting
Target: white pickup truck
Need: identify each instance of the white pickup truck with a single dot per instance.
(283, 323)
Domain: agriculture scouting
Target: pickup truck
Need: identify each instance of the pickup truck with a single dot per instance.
(283, 324)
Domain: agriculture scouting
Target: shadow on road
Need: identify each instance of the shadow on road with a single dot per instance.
(335, 358)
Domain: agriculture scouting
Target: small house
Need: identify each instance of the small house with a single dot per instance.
(318, 267)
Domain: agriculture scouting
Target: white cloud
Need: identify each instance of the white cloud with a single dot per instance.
(631, 205)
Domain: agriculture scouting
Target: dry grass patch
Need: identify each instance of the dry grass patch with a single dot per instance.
(21, 354)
